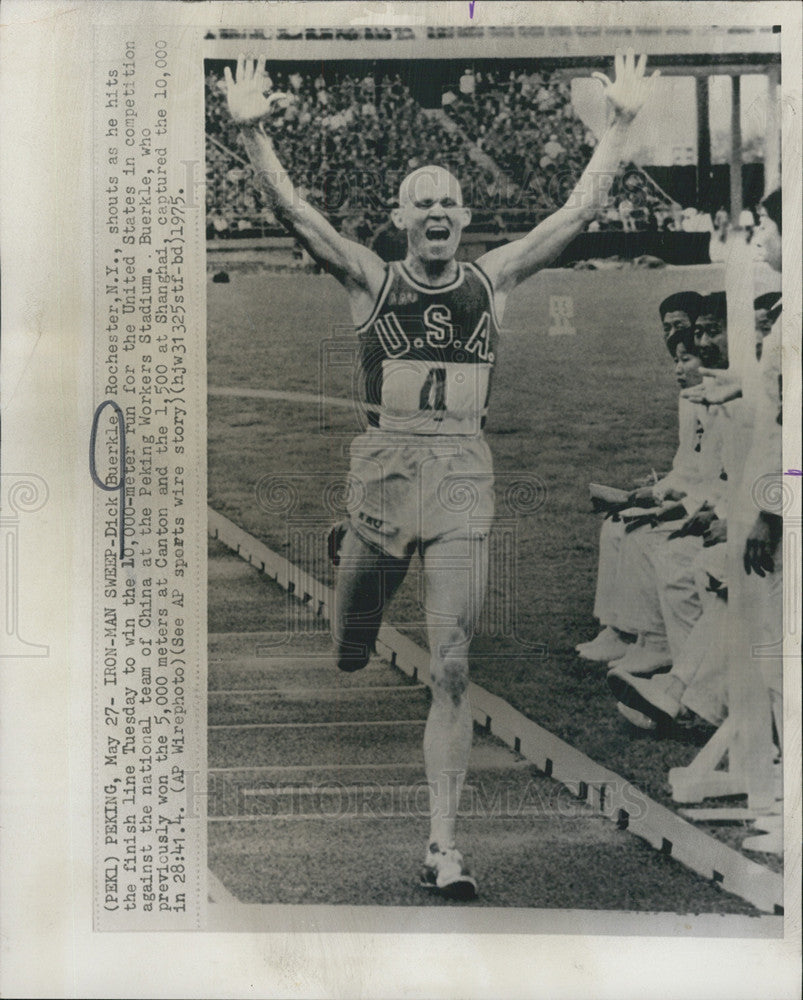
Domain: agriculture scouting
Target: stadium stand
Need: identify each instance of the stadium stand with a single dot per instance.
(347, 144)
(516, 144)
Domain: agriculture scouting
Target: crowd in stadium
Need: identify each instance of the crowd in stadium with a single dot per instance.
(347, 144)
(513, 139)
(664, 580)
(525, 121)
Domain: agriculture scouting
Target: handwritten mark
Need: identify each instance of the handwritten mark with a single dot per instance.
(93, 472)
(471, 8)
(794, 472)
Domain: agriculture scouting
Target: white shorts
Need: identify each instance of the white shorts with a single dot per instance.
(408, 491)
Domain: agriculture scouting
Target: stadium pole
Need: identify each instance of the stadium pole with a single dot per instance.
(736, 146)
(703, 144)
(772, 134)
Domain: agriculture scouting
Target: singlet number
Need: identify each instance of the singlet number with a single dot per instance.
(434, 400)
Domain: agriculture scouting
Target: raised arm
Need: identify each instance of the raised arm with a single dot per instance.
(507, 265)
(356, 267)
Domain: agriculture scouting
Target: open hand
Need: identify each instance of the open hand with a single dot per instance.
(629, 89)
(718, 386)
(245, 92)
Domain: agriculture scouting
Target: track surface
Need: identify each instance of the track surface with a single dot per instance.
(317, 790)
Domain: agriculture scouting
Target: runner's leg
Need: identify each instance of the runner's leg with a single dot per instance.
(455, 576)
(365, 582)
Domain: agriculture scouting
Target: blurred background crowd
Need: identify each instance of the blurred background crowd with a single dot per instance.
(512, 138)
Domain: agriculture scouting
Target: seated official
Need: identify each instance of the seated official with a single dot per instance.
(657, 562)
(678, 317)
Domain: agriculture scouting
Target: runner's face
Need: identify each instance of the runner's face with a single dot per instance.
(433, 215)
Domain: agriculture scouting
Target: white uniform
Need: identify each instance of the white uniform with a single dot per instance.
(656, 576)
(700, 665)
(678, 563)
(613, 597)
(762, 490)
(756, 603)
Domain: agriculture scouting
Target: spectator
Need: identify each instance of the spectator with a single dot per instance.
(553, 148)
(721, 224)
(747, 223)
(626, 215)
(661, 565)
(369, 131)
(220, 224)
(688, 220)
(765, 317)
(612, 605)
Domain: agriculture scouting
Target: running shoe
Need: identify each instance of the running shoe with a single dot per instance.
(446, 873)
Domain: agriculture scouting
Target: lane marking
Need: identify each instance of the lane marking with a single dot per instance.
(283, 394)
(294, 692)
(261, 632)
(260, 817)
(318, 725)
(255, 633)
(284, 768)
(614, 797)
(307, 767)
(344, 790)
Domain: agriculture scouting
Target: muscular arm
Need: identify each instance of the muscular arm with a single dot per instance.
(356, 267)
(508, 265)
(349, 262)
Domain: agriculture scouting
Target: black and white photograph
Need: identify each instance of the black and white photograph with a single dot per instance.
(493, 361)
(400, 499)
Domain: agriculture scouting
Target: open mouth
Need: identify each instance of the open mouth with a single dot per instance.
(437, 234)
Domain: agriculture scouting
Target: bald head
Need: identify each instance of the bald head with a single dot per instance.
(428, 181)
(432, 213)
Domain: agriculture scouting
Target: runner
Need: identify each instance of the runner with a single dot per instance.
(421, 473)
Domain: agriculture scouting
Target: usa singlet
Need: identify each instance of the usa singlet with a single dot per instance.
(427, 353)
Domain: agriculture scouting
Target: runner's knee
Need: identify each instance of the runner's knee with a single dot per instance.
(449, 667)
